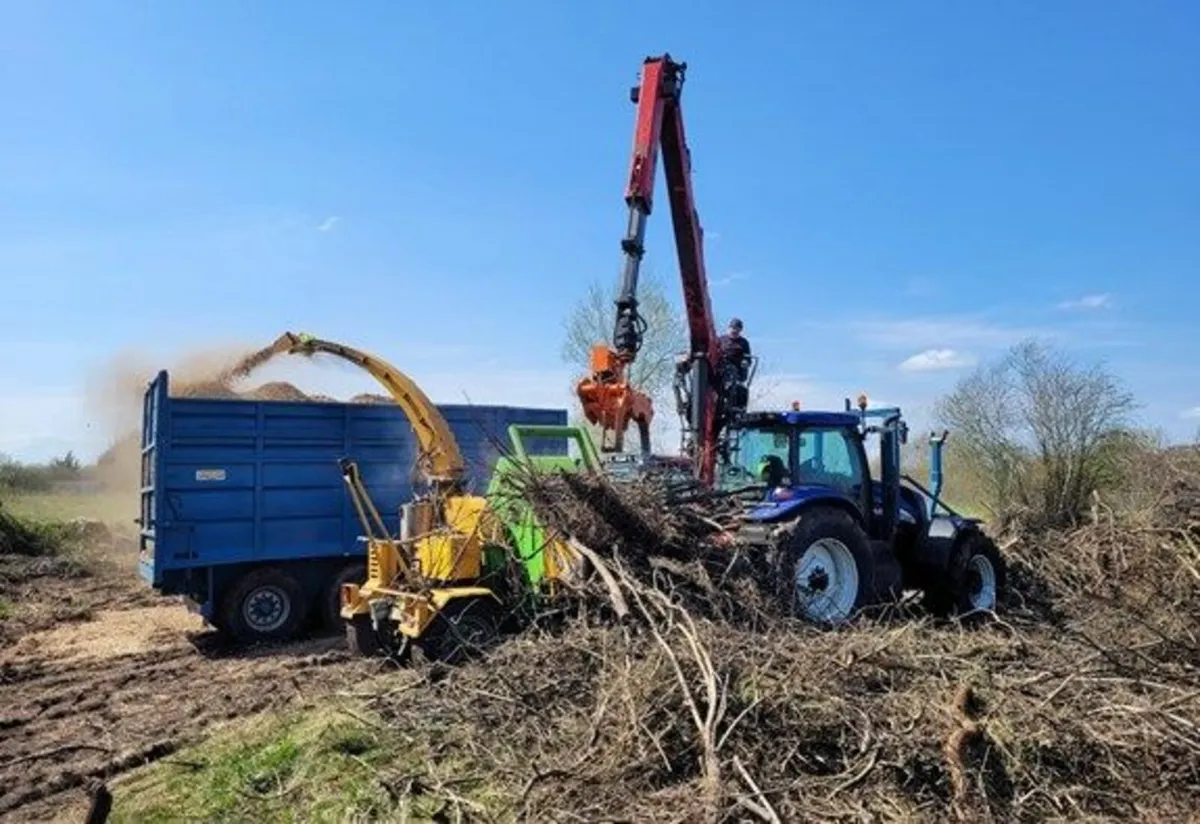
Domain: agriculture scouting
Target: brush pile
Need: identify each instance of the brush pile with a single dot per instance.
(1081, 701)
(639, 531)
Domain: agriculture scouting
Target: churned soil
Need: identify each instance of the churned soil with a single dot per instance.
(99, 676)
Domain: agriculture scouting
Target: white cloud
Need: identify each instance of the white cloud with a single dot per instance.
(939, 332)
(936, 360)
(1194, 412)
(1088, 302)
(328, 224)
(731, 278)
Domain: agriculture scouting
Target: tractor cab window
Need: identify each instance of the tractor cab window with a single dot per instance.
(829, 457)
(763, 456)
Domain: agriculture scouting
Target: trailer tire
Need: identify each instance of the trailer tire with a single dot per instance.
(974, 582)
(462, 630)
(829, 551)
(266, 604)
(331, 603)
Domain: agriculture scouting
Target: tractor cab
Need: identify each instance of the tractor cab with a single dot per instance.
(799, 457)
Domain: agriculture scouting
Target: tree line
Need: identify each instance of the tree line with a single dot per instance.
(17, 477)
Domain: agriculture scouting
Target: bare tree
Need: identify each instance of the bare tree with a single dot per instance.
(591, 321)
(1039, 430)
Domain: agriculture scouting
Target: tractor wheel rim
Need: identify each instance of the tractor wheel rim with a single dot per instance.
(266, 609)
(982, 578)
(827, 581)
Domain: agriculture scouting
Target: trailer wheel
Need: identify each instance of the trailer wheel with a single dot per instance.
(331, 606)
(266, 604)
(464, 629)
(827, 572)
(973, 583)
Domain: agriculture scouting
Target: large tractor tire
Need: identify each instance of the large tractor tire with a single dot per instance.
(826, 572)
(974, 581)
(464, 629)
(266, 604)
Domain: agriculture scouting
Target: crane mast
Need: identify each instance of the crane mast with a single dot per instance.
(607, 398)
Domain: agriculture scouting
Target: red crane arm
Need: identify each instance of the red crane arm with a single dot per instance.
(660, 127)
(608, 399)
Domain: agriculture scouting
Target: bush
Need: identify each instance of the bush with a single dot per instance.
(31, 479)
(1042, 433)
(19, 536)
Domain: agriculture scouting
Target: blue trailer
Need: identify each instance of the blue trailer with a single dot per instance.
(243, 502)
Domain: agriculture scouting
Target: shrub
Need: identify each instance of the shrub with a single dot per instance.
(1042, 433)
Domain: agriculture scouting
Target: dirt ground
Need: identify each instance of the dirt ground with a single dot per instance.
(99, 676)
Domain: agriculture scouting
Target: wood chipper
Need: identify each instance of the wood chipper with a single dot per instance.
(462, 562)
(445, 588)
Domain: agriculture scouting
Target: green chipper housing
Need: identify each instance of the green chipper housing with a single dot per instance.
(541, 556)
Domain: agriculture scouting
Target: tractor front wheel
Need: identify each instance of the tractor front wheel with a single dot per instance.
(827, 572)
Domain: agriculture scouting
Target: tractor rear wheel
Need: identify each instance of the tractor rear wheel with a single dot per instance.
(827, 569)
(974, 581)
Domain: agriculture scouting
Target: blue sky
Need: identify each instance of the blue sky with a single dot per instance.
(891, 192)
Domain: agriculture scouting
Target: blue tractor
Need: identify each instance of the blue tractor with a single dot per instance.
(838, 540)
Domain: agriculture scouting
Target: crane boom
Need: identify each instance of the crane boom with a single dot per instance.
(607, 398)
(440, 459)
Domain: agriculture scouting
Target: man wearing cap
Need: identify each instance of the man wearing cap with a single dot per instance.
(735, 349)
(735, 364)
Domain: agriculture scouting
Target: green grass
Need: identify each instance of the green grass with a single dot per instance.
(6, 609)
(114, 509)
(314, 765)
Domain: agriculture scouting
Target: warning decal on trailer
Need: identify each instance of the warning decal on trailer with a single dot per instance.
(210, 474)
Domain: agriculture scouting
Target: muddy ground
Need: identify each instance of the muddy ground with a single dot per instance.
(99, 675)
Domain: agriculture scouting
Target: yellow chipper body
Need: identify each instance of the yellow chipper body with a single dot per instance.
(424, 587)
